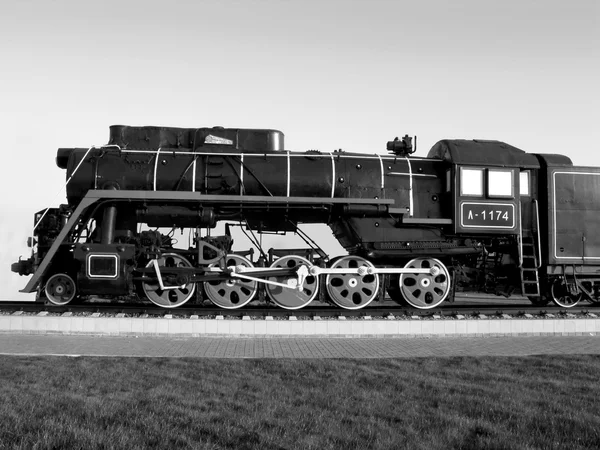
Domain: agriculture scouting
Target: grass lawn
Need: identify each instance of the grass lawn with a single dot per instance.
(426, 403)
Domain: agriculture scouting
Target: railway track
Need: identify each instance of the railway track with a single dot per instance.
(458, 310)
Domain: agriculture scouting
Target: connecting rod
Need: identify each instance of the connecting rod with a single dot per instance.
(301, 273)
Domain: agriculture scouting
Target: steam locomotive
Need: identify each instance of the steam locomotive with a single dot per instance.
(475, 215)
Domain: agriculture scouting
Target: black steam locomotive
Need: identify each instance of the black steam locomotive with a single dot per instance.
(474, 215)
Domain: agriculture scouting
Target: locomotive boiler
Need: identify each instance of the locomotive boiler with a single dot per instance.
(474, 215)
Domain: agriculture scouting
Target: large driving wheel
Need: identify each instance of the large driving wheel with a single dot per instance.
(234, 292)
(292, 298)
(352, 291)
(169, 298)
(423, 290)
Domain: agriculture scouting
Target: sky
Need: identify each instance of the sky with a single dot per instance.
(329, 74)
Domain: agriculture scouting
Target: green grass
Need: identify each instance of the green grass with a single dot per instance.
(498, 403)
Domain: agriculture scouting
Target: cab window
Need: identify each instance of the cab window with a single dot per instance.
(500, 183)
(471, 182)
(524, 183)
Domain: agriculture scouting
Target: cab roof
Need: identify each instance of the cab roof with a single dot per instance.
(482, 152)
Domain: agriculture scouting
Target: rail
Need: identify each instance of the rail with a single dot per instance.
(450, 310)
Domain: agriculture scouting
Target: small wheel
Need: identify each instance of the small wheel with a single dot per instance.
(60, 289)
(291, 298)
(562, 297)
(169, 298)
(352, 291)
(422, 290)
(234, 292)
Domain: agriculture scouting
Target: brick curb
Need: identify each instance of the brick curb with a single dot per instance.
(127, 326)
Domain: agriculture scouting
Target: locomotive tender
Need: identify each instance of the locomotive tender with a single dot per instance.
(474, 215)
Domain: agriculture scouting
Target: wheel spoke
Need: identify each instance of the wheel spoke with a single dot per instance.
(234, 292)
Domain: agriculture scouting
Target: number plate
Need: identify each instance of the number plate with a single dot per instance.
(487, 215)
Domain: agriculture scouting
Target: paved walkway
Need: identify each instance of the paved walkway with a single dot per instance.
(295, 347)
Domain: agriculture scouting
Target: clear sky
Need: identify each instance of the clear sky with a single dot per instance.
(329, 74)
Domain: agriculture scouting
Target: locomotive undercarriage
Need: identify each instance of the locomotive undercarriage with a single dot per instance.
(292, 281)
(102, 250)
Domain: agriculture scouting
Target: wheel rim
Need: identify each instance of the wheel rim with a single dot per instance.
(562, 297)
(60, 289)
(169, 298)
(289, 298)
(422, 290)
(352, 291)
(235, 292)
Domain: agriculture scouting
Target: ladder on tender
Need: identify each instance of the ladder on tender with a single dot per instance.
(530, 259)
(530, 278)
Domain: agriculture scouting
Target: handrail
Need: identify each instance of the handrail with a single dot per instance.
(520, 236)
(537, 227)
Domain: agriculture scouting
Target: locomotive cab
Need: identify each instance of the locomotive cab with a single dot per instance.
(489, 184)
(492, 189)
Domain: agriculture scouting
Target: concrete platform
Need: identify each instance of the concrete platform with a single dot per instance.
(207, 347)
(197, 327)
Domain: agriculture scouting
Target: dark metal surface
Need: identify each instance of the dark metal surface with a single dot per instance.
(151, 137)
(479, 152)
(574, 216)
(34, 280)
